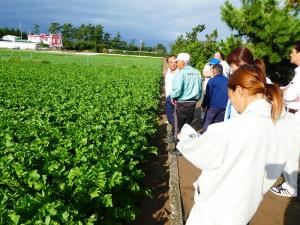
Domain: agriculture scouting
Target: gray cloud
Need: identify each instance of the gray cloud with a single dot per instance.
(155, 20)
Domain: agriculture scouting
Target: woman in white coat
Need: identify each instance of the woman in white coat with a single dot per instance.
(241, 158)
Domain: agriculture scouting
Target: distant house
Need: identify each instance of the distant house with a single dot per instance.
(9, 38)
(13, 42)
(33, 42)
(53, 40)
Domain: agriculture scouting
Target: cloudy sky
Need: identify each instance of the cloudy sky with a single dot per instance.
(150, 20)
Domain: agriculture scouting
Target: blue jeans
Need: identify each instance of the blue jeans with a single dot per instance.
(213, 115)
(169, 110)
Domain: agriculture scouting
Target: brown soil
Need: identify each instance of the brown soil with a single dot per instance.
(157, 210)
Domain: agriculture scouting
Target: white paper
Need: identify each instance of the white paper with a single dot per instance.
(187, 135)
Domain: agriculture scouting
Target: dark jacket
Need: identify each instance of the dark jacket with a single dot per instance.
(216, 95)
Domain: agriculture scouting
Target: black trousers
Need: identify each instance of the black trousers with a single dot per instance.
(184, 113)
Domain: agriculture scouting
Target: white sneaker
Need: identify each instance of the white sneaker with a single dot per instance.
(285, 190)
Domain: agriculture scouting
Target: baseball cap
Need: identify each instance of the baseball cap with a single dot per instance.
(183, 56)
(214, 61)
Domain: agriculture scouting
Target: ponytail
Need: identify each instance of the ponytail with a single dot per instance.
(274, 95)
(272, 92)
(252, 78)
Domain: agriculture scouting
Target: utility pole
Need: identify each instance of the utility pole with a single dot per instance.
(141, 41)
(20, 27)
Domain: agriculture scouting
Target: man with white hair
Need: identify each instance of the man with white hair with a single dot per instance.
(186, 91)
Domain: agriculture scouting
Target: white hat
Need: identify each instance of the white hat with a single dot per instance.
(183, 56)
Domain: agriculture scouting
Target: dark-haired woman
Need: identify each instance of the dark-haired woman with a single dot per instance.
(235, 59)
(241, 158)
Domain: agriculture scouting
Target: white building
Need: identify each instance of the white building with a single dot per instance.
(19, 45)
(9, 38)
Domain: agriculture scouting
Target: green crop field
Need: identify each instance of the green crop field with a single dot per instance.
(95, 60)
(73, 135)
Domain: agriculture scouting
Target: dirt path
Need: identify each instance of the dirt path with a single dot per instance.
(157, 210)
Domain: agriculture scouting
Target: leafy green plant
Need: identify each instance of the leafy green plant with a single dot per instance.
(72, 139)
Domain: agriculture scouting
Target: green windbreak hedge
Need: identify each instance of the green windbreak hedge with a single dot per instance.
(71, 140)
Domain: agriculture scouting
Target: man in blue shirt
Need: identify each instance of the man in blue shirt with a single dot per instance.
(216, 97)
(186, 91)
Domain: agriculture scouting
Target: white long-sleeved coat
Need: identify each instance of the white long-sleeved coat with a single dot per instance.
(240, 159)
(291, 94)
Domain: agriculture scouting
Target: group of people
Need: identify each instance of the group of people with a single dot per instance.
(184, 87)
(250, 134)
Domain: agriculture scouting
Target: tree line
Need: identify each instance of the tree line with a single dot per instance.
(12, 31)
(267, 27)
(88, 37)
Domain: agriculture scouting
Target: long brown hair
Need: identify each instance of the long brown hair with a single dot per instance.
(242, 55)
(253, 79)
(239, 55)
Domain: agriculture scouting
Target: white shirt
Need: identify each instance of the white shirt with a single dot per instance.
(205, 81)
(207, 70)
(168, 80)
(269, 80)
(226, 68)
(292, 94)
(240, 159)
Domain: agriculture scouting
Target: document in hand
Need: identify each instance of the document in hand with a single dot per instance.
(187, 135)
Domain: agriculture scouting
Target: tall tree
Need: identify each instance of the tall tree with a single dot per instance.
(67, 31)
(54, 28)
(80, 33)
(132, 45)
(200, 51)
(268, 28)
(98, 34)
(106, 40)
(11, 31)
(116, 41)
(88, 31)
(231, 42)
(160, 48)
(36, 29)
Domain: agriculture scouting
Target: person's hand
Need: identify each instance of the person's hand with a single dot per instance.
(173, 101)
(178, 136)
(283, 88)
